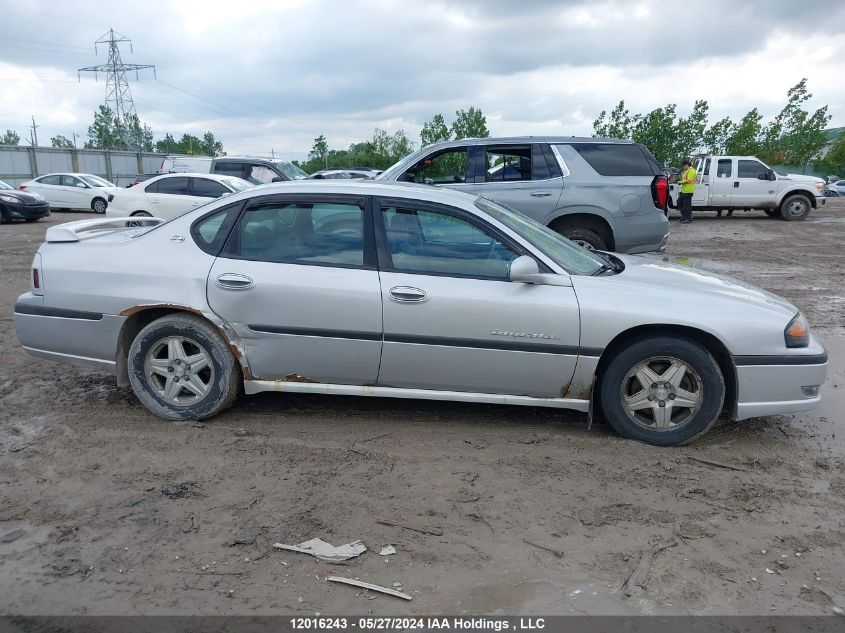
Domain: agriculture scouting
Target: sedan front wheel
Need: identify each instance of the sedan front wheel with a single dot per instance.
(181, 369)
(662, 391)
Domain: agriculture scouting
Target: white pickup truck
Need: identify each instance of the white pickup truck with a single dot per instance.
(732, 183)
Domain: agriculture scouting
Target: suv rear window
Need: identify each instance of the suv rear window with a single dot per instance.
(612, 159)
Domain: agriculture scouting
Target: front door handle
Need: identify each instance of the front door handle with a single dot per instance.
(407, 294)
(540, 194)
(234, 281)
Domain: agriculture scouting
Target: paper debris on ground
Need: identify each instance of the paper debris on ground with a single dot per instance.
(326, 551)
(371, 587)
(387, 550)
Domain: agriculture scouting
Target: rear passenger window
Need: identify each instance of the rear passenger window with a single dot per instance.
(210, 232)
(723, 169)
(229, 169)
(299, 233)
(173, 186)
(615, 159)
(510, 162)
(50, 180)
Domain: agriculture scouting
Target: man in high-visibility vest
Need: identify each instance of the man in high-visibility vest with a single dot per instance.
(687, 183)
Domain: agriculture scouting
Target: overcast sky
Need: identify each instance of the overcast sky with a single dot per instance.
(275, 74)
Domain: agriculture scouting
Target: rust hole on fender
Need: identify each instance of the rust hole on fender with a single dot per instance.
(298, 378)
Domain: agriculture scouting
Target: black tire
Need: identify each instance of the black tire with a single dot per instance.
(795, 207)
(221, 377)
(773, 213)
(702, 378)
(98, 205)
(139, 214)
(31, 219)
(588, 238)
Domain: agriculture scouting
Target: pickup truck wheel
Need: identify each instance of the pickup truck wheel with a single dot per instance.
(181, 369)
(795, 207)
(662, 390)
(587, 238)
(772, 213)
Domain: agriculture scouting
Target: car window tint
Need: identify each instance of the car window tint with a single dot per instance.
(706, 171)
(434, 242)
(207, 188)
(539, 168)
(448, 166)
(229, 169)
(50, 180)
(152, 187)
(511, 162)
(173, 186)
(750, 169)
(302, 234)
(71, 181)
(723, 169)
(615, 159)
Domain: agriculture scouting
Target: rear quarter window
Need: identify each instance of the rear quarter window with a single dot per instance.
(612, 159)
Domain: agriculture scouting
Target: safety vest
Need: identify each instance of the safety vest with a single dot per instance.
(689, 186)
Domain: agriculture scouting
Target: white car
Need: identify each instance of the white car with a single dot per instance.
(170, 195)
(73, 191)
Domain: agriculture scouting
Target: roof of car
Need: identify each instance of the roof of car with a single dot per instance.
(67, 173)
(509, 140)
(362, 188)
(194, 174)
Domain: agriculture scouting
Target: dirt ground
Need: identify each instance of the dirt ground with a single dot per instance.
(107, 510)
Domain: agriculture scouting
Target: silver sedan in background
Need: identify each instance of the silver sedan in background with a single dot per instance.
(396, 290)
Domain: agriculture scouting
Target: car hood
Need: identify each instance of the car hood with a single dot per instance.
(23, 196)
(802, 178)
(698, 284)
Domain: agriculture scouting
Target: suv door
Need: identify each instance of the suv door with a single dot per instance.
(454, 321)
(519, 176)
(298, 281)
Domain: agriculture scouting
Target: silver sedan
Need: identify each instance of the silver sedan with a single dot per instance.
(376, 289)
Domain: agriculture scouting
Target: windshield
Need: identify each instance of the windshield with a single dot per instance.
(237, 184)
(3, 185)
(291, 171)
(573, 258)
(391, 172)
(96, 181)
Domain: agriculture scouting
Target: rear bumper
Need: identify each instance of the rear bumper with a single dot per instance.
(67, 336)
(641, 233)
(770, 385)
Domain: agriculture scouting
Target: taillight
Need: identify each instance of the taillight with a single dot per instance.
(660, 192)
(37, 277)
(22, 187)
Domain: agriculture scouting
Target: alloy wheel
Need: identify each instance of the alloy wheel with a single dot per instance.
(179, 370)
(661, 393)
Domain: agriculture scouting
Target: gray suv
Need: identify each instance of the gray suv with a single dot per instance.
(604, 194)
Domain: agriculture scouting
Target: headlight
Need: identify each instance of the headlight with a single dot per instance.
(12, 199)
(797, 333)
(819, 185)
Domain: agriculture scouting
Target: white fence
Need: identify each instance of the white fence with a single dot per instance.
(19, 163)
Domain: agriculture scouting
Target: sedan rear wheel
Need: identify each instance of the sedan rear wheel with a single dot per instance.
(181, 369)
(662, 391)
(139, 214)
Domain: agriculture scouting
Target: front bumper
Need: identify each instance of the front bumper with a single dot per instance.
(11, 211)
(771, 385)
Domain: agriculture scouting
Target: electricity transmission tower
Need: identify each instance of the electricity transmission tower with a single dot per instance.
(118, 95)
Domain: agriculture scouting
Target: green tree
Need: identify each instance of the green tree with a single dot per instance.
(616, 125)
(103, 132)
(434, 131)
(656, 130)
(834, 161)
(716, 136)
(167, 145)
(689, 132)
(744, 137)
(211, 146)
(10, 138)
(61, 141)
(469, 124)
(320, 151)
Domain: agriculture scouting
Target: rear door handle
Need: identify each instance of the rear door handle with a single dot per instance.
(736, 184)
(407, 294)
(540, 194)
(234, 281)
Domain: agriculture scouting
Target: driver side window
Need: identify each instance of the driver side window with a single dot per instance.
(448, 166)
(440, 243)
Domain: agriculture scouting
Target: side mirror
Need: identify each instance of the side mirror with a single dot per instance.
(82, 185)
(763, 175)
(276, 179)
(772, 175)
(524, 269)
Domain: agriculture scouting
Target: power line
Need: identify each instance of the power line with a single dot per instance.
(117, 86)
(52, 44)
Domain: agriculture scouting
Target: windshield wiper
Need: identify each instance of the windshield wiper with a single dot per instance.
(611, 264)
